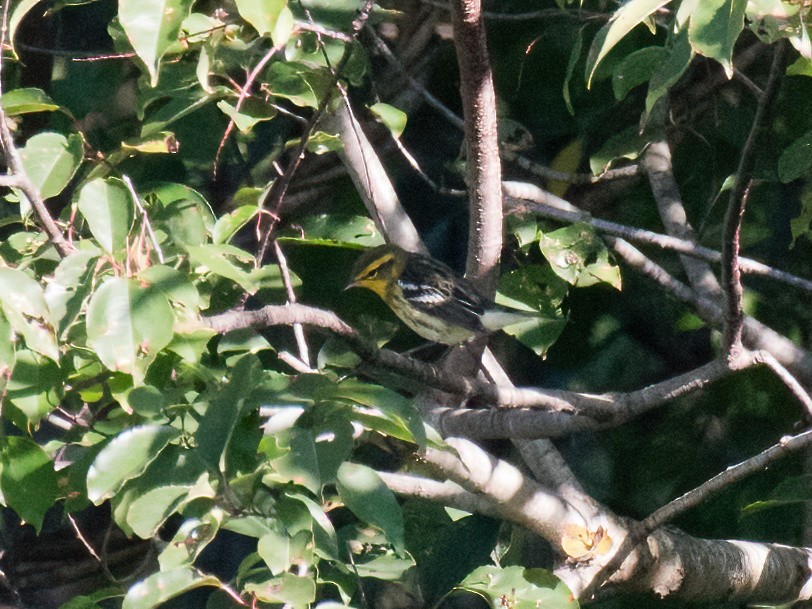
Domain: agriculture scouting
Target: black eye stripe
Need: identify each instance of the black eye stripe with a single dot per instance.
(382, 266)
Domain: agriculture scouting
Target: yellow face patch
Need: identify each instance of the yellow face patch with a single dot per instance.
(376, 275)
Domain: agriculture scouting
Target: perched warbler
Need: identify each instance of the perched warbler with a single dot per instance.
(429, 297)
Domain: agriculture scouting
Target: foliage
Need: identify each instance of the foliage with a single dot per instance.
(190, 437)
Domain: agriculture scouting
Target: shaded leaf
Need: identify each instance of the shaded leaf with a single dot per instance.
(796, 159)
(27, 479)
(362, 490)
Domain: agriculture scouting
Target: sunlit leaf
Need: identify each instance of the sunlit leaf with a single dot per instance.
(50, 160)
(126, 457)
(152, 27)
(519, 588)
(107, 207)
(577, 255)
(22, 301)
(714, 27)
(393, 118)
(165, 585)
(128, 325)
(627, 17)
(23, 101)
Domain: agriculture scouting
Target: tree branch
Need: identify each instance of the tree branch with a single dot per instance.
(483, 166)
(20, 177)
(731, 275)
(525, 197)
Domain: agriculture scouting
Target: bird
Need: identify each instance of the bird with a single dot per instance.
(429, 297)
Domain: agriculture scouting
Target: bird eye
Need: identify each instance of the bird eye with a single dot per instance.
(383, 267)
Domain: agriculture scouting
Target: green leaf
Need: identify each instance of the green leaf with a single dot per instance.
(50, 160)
(393, 118)
(300, 463)
(91, 601)
(27, 479)
(635, 69)
(268, 17)
(519, 588)
(69, 287)
(22, 301)
(34, 389)
(388, 566)
(802, 223)
(377, 401)
(288, 588)
(714, 27)
(362, 491)
(299, 83)
(26, 100)
(220, 419)
(190, 540)
(17, 15)
(160, 142)
(184, 221)
(796, 160)
(107, 207)
(673, 66)
(337, 230)
(577, 255)
(626, 144)
(174, 468)
(228, 224)
(152, 27)
(215, 258)
(127, 325)
(251, 112)
(575, 55)
(126, 457)
(163, 586)
(796, 490)
(625, 19)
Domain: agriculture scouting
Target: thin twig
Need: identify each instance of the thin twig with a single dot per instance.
(786, 377)
(144, 217)
(15, 165)
(82, 539)
(298, 331)
(281, 184)
(757, 336)
(731, 275)
(245, 91)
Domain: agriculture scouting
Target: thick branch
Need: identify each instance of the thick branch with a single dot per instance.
(484, 172)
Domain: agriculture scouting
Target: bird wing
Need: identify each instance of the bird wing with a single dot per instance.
(452, 299)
